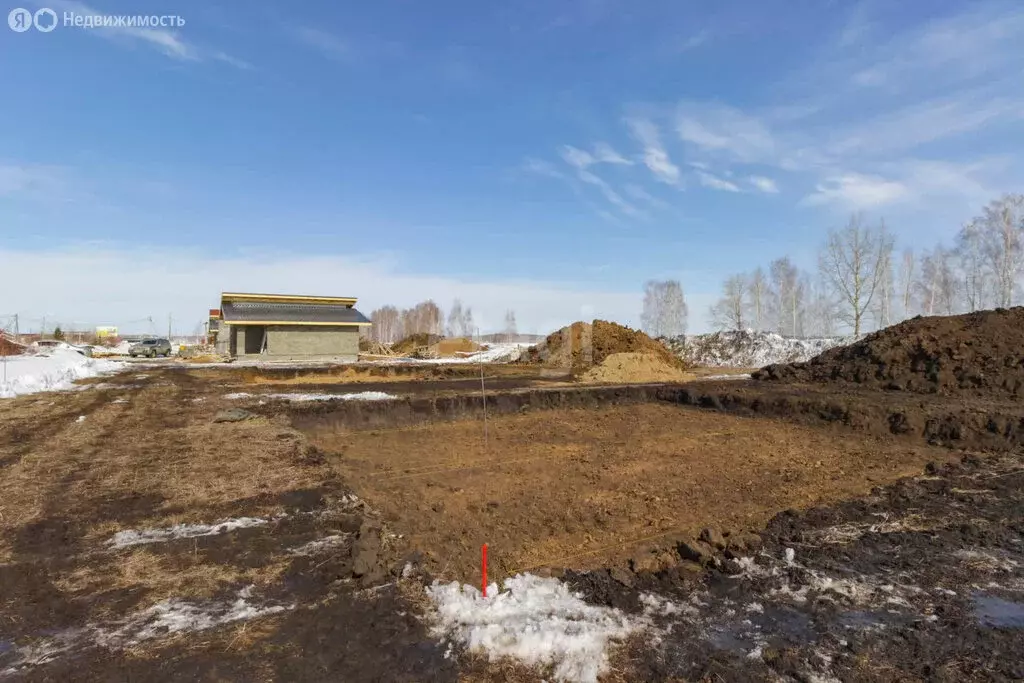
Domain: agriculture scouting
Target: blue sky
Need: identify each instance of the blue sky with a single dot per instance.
(547, 157)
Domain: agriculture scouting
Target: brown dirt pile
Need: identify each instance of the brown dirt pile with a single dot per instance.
(450, 347)
(980, 354)
(581, 346)
(633, 367)
(413, 342)
(10, 348)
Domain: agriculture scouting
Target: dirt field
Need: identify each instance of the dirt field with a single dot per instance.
(142, 539)
(582, 488)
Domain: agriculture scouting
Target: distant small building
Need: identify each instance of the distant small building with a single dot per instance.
(213, 326)
(289, 327)
(105, 332)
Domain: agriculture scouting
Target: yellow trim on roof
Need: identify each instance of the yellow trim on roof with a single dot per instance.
(287, 298)
(291, 322)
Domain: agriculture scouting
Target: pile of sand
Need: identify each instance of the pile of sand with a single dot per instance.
(633, 367)
(979, 353)
(607, 352)
(409, 344)
(454, 346)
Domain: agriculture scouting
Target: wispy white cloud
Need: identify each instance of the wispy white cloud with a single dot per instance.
(695, 40)
(543, 168)
(639, 194)
(906, 128)
(654, 155)
(605, 154)
(721, 129)
(328, 44)
(764, 184)
(979, 42)
(166, 41)
(856, 191)
(611, 195)
(713, 182)
(575, 157)
(40, 183)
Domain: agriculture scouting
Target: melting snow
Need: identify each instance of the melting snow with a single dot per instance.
(53, 370)
(164, 618)
(124, 539)
(749, 348)
(358, 396)
(318, 545)
(538, 621)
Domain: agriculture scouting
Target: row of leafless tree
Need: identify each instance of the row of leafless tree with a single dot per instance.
(391, 324)
(858, 284)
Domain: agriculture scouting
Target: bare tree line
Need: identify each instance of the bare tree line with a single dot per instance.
(391, 324)
(664, 309)
(860, 285)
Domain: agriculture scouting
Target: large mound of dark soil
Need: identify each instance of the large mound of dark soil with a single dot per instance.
(582, 345)
(980, 354)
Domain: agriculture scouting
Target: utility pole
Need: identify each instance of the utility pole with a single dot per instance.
(168, 327)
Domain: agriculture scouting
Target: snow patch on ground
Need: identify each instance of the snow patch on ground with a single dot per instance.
(749, 348)
(538, 621)
(498, 352)
(54, 369)
(164, 618)
(358, 396)
(319, 545)
(177, 616)
(125, 539)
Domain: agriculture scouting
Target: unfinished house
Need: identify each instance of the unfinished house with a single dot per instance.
(289, 327)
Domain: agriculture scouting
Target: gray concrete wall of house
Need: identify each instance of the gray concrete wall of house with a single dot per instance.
(222, 344)
(313, 340)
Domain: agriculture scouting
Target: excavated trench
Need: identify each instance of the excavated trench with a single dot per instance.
(938, 420)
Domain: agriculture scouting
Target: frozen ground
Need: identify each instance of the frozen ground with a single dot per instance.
(50, 370)
(749, 348)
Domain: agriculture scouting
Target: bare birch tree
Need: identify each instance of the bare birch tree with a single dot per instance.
(971, 258)
(852, 261)
(786, 294)
(727, 312)
(757, 292)
(928, 287)
(428, 317)
(386, 327)
(906, 282)
(886, 288)
(1003, 245)
(510, 325)
(456, 322)
(664, 309)
(821, 308)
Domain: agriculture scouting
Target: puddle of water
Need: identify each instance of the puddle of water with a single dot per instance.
(995, 612)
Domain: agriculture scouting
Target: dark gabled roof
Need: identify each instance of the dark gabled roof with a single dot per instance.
(257, 313)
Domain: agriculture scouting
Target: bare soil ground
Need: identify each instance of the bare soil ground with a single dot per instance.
(582, 488)
(609, 483)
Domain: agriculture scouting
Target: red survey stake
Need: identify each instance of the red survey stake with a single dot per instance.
(483, 557)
